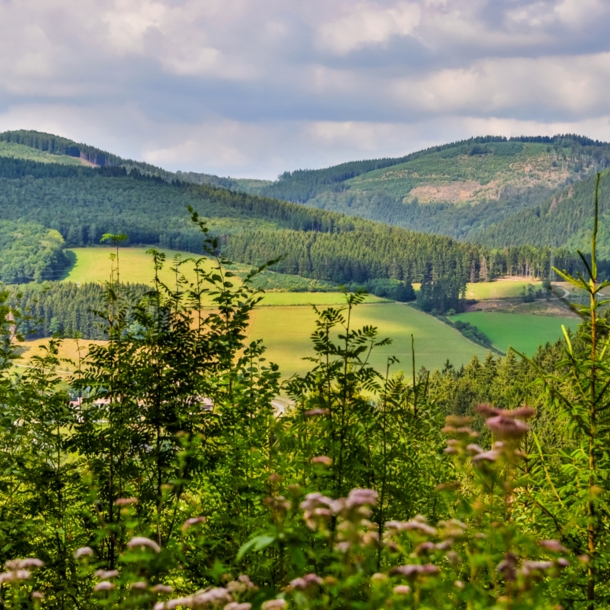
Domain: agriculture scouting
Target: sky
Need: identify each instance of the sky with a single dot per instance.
(252, 88)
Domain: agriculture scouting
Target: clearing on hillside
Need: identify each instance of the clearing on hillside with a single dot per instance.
(505, 288)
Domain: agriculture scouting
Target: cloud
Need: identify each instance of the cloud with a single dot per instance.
(547, 85)
(255, 87)
(367, 23)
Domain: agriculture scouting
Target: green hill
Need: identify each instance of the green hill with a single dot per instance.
(83, 192)
(457, 189)
(83, 202)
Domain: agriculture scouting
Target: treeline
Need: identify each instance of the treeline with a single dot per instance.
(359, 256)
(65, 308)
(29, 252)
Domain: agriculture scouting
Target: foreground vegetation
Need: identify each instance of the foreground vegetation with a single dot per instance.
(159, 475)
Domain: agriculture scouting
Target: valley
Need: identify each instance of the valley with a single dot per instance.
(488, 180)
(285, 320)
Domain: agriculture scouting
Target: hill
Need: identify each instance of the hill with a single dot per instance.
(82, 203)
(458, 189)
(82, 200)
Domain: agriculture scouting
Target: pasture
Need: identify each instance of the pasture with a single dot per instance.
(520, 331)
(286, 332)
(135, 265)
(507, 288)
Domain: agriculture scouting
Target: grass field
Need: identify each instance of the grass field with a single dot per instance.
(500, 289)
(93, 265)
(521, 331)
(68, 350)
(274, 299)
(286, 332)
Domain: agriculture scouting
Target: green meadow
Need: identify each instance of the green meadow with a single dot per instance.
(500, 289)
(135, 265)
(285, 320)
(521, 331)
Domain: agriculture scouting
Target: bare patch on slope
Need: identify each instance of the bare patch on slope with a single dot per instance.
(449, 192)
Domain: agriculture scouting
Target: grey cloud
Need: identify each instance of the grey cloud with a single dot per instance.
(258, 86)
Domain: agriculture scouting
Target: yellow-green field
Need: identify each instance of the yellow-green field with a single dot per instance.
(69, 350)
(286, 332)
(500, 289)
(284, 299)
(135, 265)
(285, 320)
(94, 265)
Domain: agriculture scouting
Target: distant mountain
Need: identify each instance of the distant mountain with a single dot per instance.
(457, 189)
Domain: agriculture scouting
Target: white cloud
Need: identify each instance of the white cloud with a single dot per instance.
(254, 87)
(578, 85)
(367, 23)
(129, 20)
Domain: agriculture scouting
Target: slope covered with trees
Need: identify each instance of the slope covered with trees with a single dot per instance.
(29, 252)
(562, 221)
(83, 203)
(457, 189)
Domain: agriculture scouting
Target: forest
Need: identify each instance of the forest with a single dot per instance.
(561, 221)
(83, 203)
(160, 474)
(30, 252)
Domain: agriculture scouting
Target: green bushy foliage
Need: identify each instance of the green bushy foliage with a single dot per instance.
(164, 474)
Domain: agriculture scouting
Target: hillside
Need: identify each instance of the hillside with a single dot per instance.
(56, 182)
(82, 203)
(457, 189)
(564, 220)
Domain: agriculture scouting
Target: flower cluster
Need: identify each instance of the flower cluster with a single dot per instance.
(354, 528)
(225, 598)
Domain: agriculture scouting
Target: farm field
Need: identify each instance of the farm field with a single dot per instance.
(285, 299)
(287, 330)
(136, 266)
(93, 265)
(521, 331)
(500, 289)
(69, 349)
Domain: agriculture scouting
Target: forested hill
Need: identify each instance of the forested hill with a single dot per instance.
(83, 203)
(47, 147)
(564, 220)
(457, 189)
